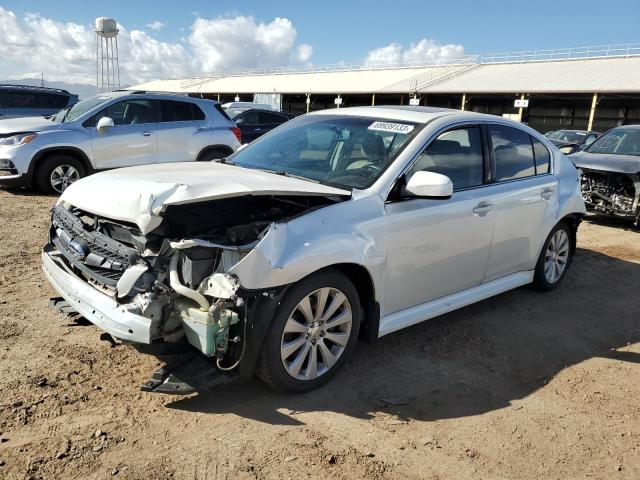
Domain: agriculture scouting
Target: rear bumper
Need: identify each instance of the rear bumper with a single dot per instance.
(100, 309)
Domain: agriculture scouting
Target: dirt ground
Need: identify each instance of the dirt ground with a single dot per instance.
(524, 385)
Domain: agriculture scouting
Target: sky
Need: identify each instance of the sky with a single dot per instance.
(162, 39)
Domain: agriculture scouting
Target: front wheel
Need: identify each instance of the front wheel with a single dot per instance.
(313, 333)
(57, 172)
(555, 258)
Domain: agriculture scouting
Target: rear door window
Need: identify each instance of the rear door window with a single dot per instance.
(174, 111)
(273, 118)
(512, 152)
(542, 157)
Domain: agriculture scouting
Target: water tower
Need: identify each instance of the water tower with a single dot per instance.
(107, 66)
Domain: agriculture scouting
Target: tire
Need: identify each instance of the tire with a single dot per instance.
(555, 258)
(57, 172)
(287, 368)
(210, 155)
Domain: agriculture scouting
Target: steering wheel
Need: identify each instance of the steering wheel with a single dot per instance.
(370, 168)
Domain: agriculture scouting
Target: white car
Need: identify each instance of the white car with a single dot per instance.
(361, 221)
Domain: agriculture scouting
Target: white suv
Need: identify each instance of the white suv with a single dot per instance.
(340, 222)
(112, 130)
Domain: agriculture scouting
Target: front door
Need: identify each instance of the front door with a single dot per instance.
(132, 139)
(439, 247)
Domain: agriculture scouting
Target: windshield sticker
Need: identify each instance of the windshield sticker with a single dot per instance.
(391, 127)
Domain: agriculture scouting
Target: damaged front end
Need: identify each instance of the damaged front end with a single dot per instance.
(175, 282)
(611, 193)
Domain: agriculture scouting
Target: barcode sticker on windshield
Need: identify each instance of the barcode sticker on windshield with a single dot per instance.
(391, 127)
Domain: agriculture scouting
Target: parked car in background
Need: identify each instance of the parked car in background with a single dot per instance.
(28, 101)
(112, 130)
(359, 220)
(610, 173)
(254, 123)
(571, 141)
(246, 106)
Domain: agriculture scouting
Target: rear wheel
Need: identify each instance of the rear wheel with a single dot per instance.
(313, 333)
(212, 155)
(57, 172)
(555, 258)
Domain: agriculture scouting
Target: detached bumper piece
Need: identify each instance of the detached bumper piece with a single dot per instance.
(186, 374)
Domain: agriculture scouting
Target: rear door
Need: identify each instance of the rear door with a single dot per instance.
(524, 197)
(249, 124)
(183, 131)
(132, 139)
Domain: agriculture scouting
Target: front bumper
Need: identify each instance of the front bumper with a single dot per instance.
(100, 309)
(18, 180)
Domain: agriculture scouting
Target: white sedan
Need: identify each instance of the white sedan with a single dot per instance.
(338, 224)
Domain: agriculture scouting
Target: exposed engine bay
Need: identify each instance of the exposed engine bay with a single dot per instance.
(177, 276)
(611, 193)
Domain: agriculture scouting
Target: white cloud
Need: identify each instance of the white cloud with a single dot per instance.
(156, 25)
(241, 42)
(302, 53)
(66, 51)
(426, 50)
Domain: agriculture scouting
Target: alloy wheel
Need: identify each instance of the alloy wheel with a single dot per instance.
(316, 333)
(62, 176)
(557, 256)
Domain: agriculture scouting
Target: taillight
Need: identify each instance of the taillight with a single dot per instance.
(236, 131)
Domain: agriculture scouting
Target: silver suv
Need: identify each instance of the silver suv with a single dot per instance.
(112, 130)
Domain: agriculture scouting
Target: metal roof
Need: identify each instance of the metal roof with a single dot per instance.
(592, 69)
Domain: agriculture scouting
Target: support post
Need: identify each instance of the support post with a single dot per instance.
(308, 101)
(592, 113)
(373, 100)
(464, 102)
(521, 110)
(218, 97)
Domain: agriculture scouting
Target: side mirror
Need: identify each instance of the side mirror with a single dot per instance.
(104, 123)
(239, 121)
(429, 185)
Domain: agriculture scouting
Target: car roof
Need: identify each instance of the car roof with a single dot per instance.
(35, 88)
(163, 95)
(403, 113)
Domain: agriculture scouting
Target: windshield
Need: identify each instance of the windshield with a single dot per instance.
(619, 141)
(80, 108)
(568, 136)
(346, 152)
(234, 112)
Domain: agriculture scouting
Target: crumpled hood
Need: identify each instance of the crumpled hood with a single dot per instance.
(606, 162)
(140, 194)
(27, 124)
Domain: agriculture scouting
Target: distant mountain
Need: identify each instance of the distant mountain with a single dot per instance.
(83, 90)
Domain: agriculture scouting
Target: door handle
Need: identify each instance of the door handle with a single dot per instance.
(257, 129)
(146, 134)
(482, 209)
(202, 129)
(547, 193)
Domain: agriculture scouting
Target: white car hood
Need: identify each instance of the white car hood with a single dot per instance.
(26, 124)
(140, 194)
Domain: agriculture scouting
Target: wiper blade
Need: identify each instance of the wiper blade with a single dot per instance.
(290, 175)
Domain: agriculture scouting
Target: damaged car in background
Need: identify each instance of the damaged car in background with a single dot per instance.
(333, 227)
(610, 173)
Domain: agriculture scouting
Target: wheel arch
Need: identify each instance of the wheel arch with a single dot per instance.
(362, 280)
(74, 152)
(226, 149)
